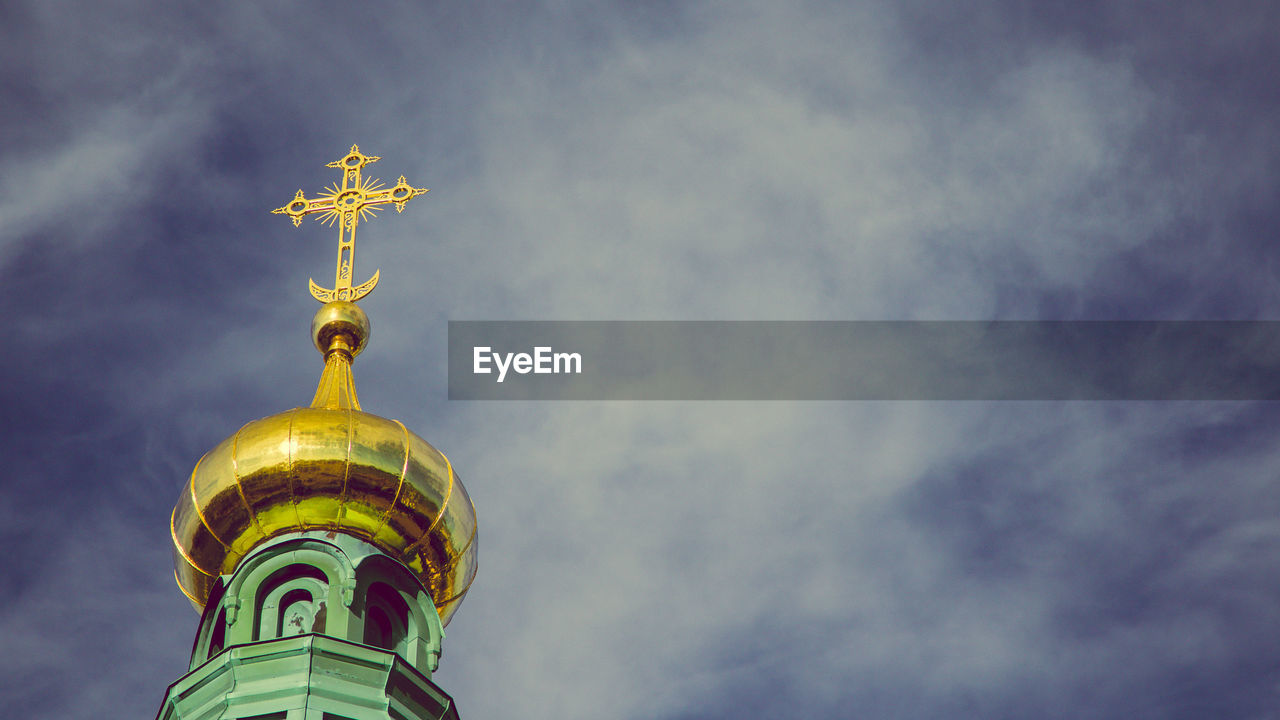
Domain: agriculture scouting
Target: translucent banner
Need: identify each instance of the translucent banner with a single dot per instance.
(1003, 360)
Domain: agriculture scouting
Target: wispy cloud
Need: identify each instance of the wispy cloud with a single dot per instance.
(815, 161)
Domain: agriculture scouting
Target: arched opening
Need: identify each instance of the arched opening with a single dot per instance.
(377, 629)
(218, 639)
(291, 602)
(386, 618)
(297, 614)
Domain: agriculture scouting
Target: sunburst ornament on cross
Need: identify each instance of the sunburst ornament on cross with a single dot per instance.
(356, 199)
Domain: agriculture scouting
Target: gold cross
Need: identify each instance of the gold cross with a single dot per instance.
(356, 200)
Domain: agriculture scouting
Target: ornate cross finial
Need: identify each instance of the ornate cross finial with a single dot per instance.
(355, 200)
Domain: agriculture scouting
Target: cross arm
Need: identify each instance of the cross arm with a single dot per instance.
(302, 205)
(400, 193)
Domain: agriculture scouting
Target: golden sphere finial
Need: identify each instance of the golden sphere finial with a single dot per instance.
(340, 326)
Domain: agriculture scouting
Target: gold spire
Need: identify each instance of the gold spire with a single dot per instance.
(339, 330)
(355, 200)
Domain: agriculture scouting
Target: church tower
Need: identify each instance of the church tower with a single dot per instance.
(325, 547)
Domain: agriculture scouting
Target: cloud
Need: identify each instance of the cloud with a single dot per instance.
(780, 166)
(815, 161)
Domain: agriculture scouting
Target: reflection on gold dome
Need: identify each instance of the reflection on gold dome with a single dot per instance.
(328, 467)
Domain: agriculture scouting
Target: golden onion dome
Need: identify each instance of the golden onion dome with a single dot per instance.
(329, 467)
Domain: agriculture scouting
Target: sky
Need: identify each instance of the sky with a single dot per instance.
(907, 160)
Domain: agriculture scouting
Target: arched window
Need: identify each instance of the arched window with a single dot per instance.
(219, 637)
(377, 629)
(297, 615)
(386, 618)
(292, 602)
